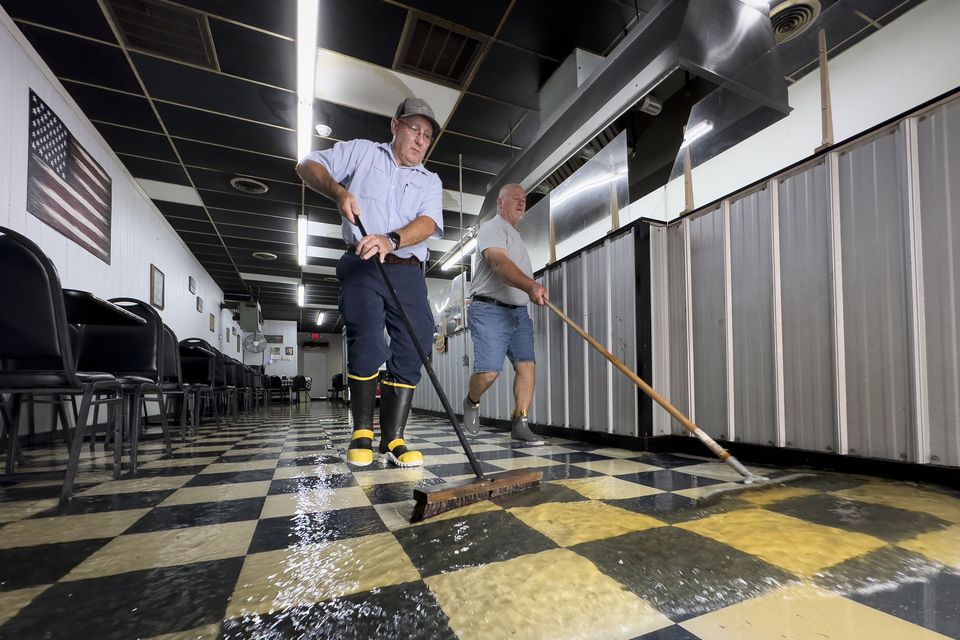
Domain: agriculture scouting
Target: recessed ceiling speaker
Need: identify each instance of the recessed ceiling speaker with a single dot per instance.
(248, 185)
(792, 17)
(264, 255)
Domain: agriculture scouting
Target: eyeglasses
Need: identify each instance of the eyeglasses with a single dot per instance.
(418, 132)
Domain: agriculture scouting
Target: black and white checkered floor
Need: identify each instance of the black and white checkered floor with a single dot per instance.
(259, 530)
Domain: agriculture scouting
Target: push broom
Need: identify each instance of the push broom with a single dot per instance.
(720, 452)
(436, 499)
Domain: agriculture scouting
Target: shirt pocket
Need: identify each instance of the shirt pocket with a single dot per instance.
(411, 199)
(375, 185)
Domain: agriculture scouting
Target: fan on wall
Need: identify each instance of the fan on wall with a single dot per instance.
(256, 342)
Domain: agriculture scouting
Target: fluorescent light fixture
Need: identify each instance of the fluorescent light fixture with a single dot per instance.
(757, 4)
(324, 130)
(697, 131)
(308, 14)
(466, 250)
(320, 318)
(561, 195)
(301, 294)
(302, 239)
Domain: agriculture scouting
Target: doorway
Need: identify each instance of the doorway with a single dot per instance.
(315, 367)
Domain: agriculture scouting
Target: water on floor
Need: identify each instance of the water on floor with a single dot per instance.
(259, 530)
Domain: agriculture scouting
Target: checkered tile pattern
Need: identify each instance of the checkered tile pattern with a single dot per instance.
(258, 529)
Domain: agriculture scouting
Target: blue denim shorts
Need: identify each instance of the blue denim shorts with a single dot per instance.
(499, 332)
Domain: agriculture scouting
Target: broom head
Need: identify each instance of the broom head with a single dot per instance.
(439, 498)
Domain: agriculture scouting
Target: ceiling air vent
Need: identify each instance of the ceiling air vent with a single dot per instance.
(436, 51)
(791, 18)
(249, 185)
(165, 30)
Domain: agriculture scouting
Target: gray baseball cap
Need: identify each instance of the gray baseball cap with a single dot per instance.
(417, 107)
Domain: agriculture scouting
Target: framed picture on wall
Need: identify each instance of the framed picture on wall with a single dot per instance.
(191, 284)
(274, 351)
(238, 345)
(213, 323)
(156, 287)
(289, 351)
(228, 337)
(199, 304)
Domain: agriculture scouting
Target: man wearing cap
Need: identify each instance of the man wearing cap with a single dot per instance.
(400, 204)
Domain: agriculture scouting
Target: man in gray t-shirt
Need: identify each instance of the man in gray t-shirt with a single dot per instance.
(499, 324)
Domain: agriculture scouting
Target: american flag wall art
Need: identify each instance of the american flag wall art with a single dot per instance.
(66, 188)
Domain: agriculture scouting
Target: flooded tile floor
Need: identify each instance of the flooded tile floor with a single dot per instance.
(258, 530)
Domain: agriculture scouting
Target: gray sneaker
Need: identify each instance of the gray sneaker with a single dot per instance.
(471, 417)
(521, 431)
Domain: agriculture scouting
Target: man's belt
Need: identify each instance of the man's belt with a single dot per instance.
(391, 259)
(497, 302)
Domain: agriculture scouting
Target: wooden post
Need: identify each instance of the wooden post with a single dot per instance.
(826, 114)
(614, 208)
(553, 242)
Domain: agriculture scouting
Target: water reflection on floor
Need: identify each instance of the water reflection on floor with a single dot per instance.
(259, 530)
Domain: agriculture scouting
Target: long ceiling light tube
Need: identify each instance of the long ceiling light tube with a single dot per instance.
(308, 14)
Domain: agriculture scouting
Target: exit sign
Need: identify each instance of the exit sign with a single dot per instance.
(314, 336)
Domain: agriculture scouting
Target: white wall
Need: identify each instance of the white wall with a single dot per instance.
(276, 365)
(904, 64)
(334, 355)
(140, 236)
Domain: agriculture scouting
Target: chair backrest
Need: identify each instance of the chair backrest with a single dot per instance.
(276, 382)
(198, 361)
(34, 333)
(299, 383)
(171, 357)
(337, 381)
(125, 349)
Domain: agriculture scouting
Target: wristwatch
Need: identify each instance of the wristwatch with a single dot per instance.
(395, 239)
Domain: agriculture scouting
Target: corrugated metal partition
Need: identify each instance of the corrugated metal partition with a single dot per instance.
(810, 413)
(597, 381)
(938, 206)
(622, 343)
(679, 391)
(707, 262)
(539, 409)
(873, 234)
(576, 349)
(751, 272)
(559, 364)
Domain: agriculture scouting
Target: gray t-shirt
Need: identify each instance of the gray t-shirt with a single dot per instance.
(500, 234)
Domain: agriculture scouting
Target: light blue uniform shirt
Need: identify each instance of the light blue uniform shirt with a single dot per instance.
(389, 196)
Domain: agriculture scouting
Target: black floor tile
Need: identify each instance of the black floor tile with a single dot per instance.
(312, 528)
(886, 523)
(673, 632)
(197, 515)
(457, 543)
(139, 604)
(311, 483)
(579, 456)
(656, 505)
(546, 492)
(23, 567)
(666, 460)
(566, 472)
(211, 479)
(435, 451)
(680, 573)
(308, 460)
(401, 611)
(458, 468)
(501, 454)
(108, 502)
(668, 480)
(158, 472)
(13, 493)
(248, 458)
(931, 603)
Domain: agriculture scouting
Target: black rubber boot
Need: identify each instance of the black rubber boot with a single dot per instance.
(395, 401)
(363, 396)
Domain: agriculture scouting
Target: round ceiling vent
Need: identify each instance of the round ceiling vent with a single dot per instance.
(330, 279)
(792, 17)
(248, 185)
(264, 255)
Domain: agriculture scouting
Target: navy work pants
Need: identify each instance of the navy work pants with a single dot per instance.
(367, 307)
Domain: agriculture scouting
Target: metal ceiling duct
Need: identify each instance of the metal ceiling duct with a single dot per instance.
(726, 42)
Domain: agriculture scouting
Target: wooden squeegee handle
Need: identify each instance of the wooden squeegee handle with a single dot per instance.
(719, 451)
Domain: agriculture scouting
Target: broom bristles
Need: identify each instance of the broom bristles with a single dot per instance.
(437, 499)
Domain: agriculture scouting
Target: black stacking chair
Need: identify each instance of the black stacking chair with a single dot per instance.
(173, 386)
(337, 388)
(202, 370)
(36, 355)
(276, 387)
(297, 386)
(134, 355)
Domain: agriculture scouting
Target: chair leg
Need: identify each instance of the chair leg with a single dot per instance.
(119, 420)
(183, 416)
(134, 426)
(75, 446)
(162, 401)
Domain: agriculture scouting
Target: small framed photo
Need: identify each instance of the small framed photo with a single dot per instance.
(199, 304)
(156, 287)
(213, 323)
(275, 351)
(228, 337)
(192, 284)
(238, 345)
(289, 351)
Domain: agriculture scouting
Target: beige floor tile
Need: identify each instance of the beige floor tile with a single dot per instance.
(178, 462)
(570, 523)
(11, 602)
(526, 602)
(140, 551)
(386, 475)
(325, 499)
(797, 545)
(803, 612)
(447, 458)
(18, 510)
(28, 533)
(720, 471)
(616, 467)
(217, 493)
(189, 448)
(903, 496)
(545, 449)
(208, 632)
(305, 471)
(607, 488)
(480, 448)
(160, 483)
(696, 493)
(616, 453)
(523, 462)
(236, 467)
(290, 577)
(940, 546)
